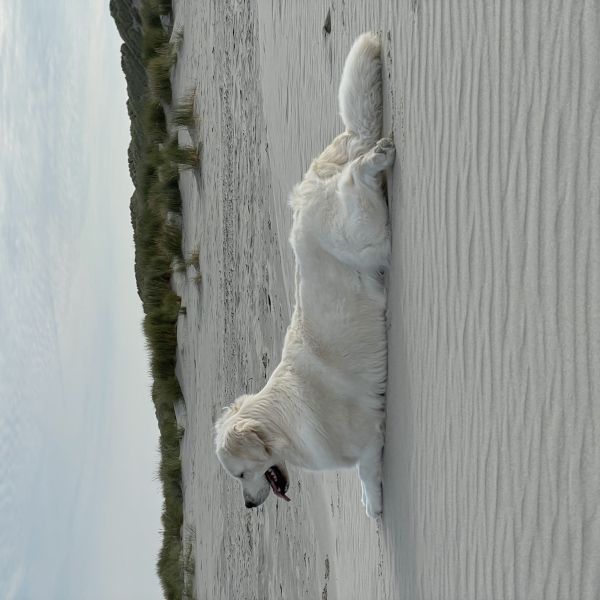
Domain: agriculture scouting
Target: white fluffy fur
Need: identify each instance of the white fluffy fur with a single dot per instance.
(323, 406)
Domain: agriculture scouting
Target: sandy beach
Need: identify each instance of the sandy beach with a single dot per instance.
(492, 460)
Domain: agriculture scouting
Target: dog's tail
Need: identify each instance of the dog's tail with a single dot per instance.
(360, 89)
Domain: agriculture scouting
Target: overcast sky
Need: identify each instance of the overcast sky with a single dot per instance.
(79, 499)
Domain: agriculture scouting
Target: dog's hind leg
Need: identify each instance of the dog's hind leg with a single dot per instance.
(333, 159)
(358, 232)
(369, 471)
(379, 158)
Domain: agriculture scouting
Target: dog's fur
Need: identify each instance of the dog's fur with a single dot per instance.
(323, 406)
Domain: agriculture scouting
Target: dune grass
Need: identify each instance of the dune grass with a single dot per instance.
(194, 259)
(159, 75)
(183, 112)
(172, 239)
(189, 565)
(164, 7)
(154, 122)
(164, 196)
(154, 37)
(158, 249)
(186, 157)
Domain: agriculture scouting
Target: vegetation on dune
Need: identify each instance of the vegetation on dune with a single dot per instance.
(189, 565)
(184, 156)
(154, 122)
(194, 259)
(159, 75)
(148, 54)
(164, 7)
(154, 38)
(183, 113)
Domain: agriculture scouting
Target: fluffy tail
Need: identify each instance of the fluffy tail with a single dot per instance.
(360, 89)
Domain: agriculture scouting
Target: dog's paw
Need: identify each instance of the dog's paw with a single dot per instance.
(385, 146)
(382, 155)
(372, 501)
(374, 509)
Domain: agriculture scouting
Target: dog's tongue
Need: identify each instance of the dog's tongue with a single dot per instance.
(276, 481)
(280, 494)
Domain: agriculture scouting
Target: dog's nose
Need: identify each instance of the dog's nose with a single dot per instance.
(250, 504)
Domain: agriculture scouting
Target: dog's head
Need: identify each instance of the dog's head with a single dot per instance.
(245, 450)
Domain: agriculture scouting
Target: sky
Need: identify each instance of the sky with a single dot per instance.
(79, 496)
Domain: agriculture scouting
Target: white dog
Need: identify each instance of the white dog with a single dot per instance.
(323, 406)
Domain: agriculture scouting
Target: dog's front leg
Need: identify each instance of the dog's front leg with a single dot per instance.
(369, 471)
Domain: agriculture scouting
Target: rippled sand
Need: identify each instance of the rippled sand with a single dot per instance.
(492, 462)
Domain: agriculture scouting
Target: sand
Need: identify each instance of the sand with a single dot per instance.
(492, 460)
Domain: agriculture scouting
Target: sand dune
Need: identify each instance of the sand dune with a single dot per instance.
(492, 462)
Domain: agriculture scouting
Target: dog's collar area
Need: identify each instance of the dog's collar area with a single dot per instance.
(277, 481)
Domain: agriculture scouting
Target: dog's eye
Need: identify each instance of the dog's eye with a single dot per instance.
(241, 476)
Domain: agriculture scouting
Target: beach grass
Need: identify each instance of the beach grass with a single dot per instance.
(194, 259)
(172, 239)
(159, 75)
(168, 171)
(155, 122)
(164, 7)
(164, 196)
(153, 39)
(172, 197)
(186, 157)
(155, 206)
(154, 35)
(183, 112)
(161, 57)
(189, 567)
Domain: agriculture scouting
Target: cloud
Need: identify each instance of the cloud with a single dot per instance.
(79, 504)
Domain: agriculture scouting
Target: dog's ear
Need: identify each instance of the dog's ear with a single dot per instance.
(228, 411)
(234, 407)
(250, 433)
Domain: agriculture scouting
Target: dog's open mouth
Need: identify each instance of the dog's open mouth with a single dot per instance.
(278, 482)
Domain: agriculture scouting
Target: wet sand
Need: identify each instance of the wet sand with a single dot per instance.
(492, 460)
